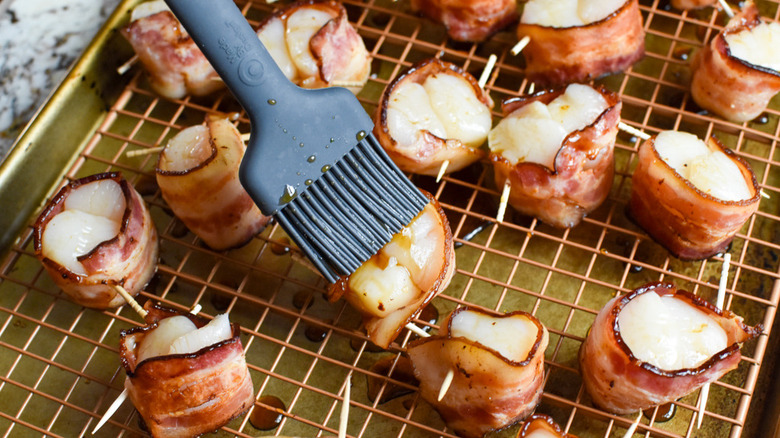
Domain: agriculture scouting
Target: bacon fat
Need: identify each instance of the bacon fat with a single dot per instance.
(690, 223)
(469, 20)
(584, 168)
(540, 425)
(207, 195)
(620, 383)
(389, 302)
(560, 55)
(728, 86)
(184, 395)
(489, 391)
(129, 259)
(175, 65)
(426, 155)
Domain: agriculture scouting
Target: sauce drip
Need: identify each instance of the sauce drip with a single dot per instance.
(665, 412)
(315, 334)
(402, 372)
(303, 299)
(281, 247)
(266, 419)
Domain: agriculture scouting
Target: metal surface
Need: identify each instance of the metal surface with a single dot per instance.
(59, 367)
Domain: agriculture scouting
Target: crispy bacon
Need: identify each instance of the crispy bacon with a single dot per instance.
(560, 55)
(469, 20)
(393, 286)
(426, 153)
(583, 168)
(198, 177)
(542, 426)
(728, 86)
(175, 65)
(489, 390)
(183, 395)
(321, 50)
(620, 383)
(689, 222)
(129, 259)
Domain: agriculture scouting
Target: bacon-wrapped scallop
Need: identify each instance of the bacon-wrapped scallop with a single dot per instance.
(175, 65)
(498, 365)
(97, 233)
(197, 173)
(690, 196)
(738, 72)
(469, 20)
(580, 40)
(656, 345)
(186, 376)
(314, 44)
(433, 113)
(556, 151)
(542, 426)
(394, 285)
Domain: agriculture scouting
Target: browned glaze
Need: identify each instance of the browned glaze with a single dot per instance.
(266, 419)
(315, 333)
(303, 299)
(665, 412)
(402, 372)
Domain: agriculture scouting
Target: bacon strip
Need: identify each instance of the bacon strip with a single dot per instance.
(184, 395)
(175, 65)
(383, 325)
(691, 224)
(208, 197)
(620, 383)
(540, 425)
(469, 20)
(426, 156)
(557, 55)
(489, 391)
(730, 87)
(129, 259)
(583, 172)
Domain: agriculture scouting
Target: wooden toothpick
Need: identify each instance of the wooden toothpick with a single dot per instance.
(633, 131)
(124, 68)
(444, 165)
(531, 88)
(417, 330)
(634, 425)
(726, 8)
(344, 416)
(445, 385)
(483, 78)
(245, 137)
(503, 202)
(140, 152)
(719, 301)
(347, 84)
(130, 300)
(520, 45)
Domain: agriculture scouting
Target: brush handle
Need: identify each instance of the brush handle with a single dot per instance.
(234, 50)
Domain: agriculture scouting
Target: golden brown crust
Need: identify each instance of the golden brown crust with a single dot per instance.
(542, 422)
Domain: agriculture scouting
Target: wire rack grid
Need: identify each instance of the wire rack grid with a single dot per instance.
(59, 367)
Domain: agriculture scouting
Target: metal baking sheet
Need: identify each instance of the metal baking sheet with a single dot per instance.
(59, 367)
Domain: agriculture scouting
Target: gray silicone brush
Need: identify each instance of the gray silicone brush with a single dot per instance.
(311, 160)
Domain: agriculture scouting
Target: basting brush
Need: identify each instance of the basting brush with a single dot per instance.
(311, 160)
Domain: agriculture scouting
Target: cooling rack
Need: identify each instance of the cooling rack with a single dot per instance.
(59, 367)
